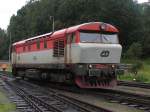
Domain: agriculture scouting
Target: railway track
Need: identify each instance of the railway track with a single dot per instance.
(133, 100)
(42, 100)
(115, 96)
(21, 104)
(134, 84)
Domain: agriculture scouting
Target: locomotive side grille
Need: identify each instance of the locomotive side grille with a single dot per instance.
(58, 48)
(61, 48)
(55, 52)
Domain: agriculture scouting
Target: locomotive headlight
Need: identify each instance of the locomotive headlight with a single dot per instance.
(113, 66)
(90, 66)
(103, 26)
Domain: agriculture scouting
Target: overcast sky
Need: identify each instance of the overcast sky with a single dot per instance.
(10, 7)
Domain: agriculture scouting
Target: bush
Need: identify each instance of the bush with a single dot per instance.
(135, 51)
(131, 77)
(136, 67)
(141, 78)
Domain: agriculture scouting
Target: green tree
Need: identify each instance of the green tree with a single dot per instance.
(134, 51)
(4, 45)
(130, 18)
(146, 30)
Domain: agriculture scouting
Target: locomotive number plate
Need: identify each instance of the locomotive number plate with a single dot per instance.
(94, 72)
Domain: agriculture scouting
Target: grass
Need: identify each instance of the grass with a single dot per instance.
(143, 74)
(5, 105)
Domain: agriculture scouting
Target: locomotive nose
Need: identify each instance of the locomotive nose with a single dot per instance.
(100, 53)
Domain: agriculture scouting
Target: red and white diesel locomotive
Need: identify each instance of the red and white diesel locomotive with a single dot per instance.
(85, 55)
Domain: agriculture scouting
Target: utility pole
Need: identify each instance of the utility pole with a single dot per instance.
(53, 24)
(10, 48)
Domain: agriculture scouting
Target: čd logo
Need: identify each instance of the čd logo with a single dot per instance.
(104, 53)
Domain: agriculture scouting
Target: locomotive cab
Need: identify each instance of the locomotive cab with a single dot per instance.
(99, 48)
(97, 54)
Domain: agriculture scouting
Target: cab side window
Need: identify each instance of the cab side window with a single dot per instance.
(71, 38)
(24, 48)
(29, 47)
(13, 49)
(45, 43)
(38, 44)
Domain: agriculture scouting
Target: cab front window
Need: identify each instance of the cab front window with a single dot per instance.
(98, 38)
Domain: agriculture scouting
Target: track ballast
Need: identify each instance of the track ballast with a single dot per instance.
(42, 100)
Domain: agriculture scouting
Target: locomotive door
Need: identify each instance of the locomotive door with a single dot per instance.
(68, 49)
(13, 55)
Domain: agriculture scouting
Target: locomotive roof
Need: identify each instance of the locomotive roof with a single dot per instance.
(86, 26)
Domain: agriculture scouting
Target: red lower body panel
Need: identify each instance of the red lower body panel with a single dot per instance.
(104, 84)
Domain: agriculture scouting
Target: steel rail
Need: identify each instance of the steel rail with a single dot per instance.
(80, 104)
(36, 103)
(136, 100)
(134, 84)
(36, 94)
